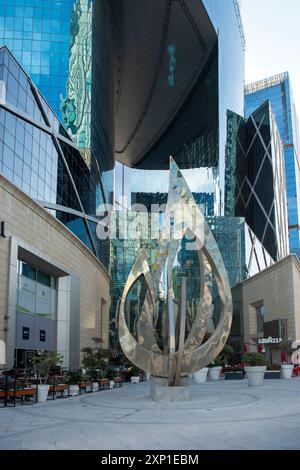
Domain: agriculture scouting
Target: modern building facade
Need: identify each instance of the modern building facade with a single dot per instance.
(120, 81)
(81, 54)
(278, 91)
(255, 178)
(183, 110)
(37, 154)
(63, 46)
(269, 307)
(49, 250)
(54, 293)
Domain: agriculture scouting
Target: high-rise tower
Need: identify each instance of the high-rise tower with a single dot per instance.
(278, 91)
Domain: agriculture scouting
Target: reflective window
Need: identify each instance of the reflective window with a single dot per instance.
(37, 292)
(260, 315)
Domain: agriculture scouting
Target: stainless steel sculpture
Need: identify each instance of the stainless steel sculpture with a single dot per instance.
(184, 353)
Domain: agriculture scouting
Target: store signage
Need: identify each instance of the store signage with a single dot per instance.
(2, 229)
(270, 340)
(42, 336)
(25, 333)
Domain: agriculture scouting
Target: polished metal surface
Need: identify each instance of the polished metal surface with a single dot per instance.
(181, 356)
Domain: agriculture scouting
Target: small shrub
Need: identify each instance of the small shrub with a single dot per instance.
(254, 359)
(110, 373)
(273, 367)
(74, 377)
(286, 347)
(218, 362)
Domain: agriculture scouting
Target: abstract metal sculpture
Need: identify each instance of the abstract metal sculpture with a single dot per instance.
(185, 352)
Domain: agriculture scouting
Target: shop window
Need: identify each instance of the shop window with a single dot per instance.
(37, 292)
(42, 336)
(260, 314)
(25, 333)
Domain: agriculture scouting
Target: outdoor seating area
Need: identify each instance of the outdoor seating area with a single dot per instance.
(19, 386)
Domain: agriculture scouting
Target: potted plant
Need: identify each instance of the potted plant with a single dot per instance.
(110, 375)
(215, 369)
(201, 375)
(58, 385)
(43, 362)
(94, 376)
(287, 369)
(95, 357)
(227, 353)
(255, 368)
(73, 379)
(134, 374)
(104, 381)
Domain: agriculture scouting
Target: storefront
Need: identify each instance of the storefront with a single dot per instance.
(54, 292)
(36, 313)
(271, 308)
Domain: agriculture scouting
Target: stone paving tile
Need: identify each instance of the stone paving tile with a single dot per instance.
(10, 444)
(220, 415)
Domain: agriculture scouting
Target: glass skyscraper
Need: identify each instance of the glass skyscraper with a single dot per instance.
(196, 136)
(37, 155)
(278, 91)
(62, 45)
(255, 178)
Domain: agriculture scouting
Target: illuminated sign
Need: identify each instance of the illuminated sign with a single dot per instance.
(25, 333)
(270, 340)
(42, 335)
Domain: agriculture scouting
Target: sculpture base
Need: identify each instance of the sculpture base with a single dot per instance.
(160, 391)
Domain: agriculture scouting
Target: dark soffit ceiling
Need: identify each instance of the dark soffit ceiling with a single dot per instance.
(156, 36)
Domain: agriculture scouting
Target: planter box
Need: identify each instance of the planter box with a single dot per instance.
(86, 386)
(272, 374)
(118, 382)
(234, 376)
(201, 375)
(215, 373)
(255, 375)
(73, 390)
(135, 379)
(287, 371)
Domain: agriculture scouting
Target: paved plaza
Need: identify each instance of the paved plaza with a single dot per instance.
(221, 415)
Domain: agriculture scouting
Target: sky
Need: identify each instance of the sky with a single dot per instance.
(272, 30)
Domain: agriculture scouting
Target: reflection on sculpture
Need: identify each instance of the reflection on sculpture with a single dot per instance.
(185, 350)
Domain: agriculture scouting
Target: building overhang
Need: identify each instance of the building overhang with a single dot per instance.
(163, 45)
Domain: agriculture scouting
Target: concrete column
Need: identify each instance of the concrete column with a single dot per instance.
(12, 302)
(63, 318)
